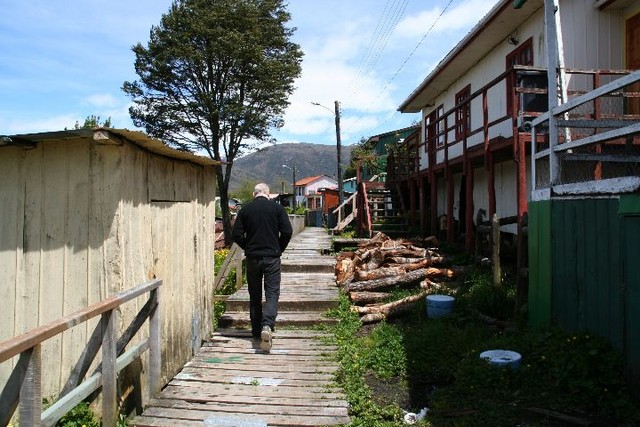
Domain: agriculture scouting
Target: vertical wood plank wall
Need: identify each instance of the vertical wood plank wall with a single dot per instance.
(584, 270)
(80, 222)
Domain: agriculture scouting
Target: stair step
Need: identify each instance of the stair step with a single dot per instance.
(317, 303)
(297, 264)
(386, 225)
(235, 319)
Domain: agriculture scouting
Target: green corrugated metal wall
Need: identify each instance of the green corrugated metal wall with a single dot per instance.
(585, 271)
(540, 263)
(631, 268)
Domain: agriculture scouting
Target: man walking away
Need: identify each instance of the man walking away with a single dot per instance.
(262, 229)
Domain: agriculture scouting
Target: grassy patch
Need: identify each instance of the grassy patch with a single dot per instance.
(416, 363)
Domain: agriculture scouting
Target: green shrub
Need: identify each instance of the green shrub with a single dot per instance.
(80, 416)
(479, 294)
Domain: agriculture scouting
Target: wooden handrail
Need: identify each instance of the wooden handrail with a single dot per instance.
(234, 259)
(24, 384)
(343, 220)
(366, 206)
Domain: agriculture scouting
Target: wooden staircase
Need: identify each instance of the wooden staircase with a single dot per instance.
(231, 381)
(384, 210)
(307, 289)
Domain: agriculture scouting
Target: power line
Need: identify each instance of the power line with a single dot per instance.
(417, 46)
(391, 15)
(404, 63)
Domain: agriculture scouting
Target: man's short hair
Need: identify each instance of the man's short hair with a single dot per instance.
(261, 189)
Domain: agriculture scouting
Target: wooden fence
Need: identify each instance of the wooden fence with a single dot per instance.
(24, 385)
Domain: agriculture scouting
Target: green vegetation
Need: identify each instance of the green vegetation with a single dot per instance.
(299, 210)
(416, 363)
(228, 286)
(82, 416)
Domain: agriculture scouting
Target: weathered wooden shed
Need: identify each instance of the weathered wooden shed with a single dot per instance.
(85, 214)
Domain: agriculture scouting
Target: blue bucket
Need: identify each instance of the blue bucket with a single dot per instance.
(502, 358)
(439, 306)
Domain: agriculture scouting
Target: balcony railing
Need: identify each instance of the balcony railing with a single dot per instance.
(501, 109)
(590, 143)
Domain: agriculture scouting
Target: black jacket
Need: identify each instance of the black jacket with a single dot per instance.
(262, 228)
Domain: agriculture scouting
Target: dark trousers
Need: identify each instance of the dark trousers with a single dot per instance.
(259, 269)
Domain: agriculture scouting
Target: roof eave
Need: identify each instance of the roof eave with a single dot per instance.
(446, 72)
(103, 135)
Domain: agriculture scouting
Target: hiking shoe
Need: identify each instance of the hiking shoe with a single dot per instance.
(266, 337)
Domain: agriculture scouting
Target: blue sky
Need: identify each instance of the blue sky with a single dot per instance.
(64, 60)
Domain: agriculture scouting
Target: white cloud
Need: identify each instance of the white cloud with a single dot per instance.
(39, 124)
(462, 16)
(103, 100)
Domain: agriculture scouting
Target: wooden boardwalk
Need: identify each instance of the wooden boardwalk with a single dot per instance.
(231, 382)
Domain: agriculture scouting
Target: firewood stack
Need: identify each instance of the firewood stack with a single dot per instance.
(382, 264)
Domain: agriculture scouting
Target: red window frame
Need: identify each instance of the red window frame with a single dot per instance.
(440, 130)
(522, 55)
(434, 128)
(463, 113)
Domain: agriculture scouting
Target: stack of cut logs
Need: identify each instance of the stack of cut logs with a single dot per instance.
(382, 264)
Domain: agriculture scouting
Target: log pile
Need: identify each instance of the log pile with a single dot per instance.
(381, 265)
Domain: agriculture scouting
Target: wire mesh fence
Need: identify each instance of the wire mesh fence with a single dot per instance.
(597, 139)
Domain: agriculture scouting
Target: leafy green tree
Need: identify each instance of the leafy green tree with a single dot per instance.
(215, 77)
(362, 155)
(92, 122)
(244, 193)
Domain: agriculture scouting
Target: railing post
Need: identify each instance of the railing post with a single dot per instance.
(109, 384)
(154, 344)
(238, 260)
(31, 389)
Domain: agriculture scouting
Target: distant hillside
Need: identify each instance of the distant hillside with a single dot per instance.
(265, 165)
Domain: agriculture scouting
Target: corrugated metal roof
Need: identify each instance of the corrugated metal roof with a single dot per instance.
(491, 30)
(103, 135)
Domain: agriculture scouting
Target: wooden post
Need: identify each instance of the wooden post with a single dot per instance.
(239, 256)
(449, 181)
(109, 372)
(422, 203)
(495, 254)
(433, 202)
(155, 349)
(31, 389)
(468, 236)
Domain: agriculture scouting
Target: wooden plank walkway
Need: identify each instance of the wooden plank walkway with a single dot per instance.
(307, 288)
(231, 382)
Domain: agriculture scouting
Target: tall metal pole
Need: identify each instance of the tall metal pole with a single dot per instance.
(294, 187)
(551, 38)
(339, 148)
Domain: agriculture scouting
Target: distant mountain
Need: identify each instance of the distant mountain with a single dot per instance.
(265, 165)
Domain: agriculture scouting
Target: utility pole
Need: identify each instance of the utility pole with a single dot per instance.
(294, 187)
(293, 184)
(336, 115)
(339, 148)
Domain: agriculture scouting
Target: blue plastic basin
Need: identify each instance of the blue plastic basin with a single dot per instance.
(439, 306)
(502, 358)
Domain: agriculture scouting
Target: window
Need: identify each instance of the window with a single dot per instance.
(434, 128)
(522, 55)
(428, 132)
(463, 113)
(440, 130)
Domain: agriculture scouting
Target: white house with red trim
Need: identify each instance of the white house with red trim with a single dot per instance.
(473, 151)
(306, 190)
